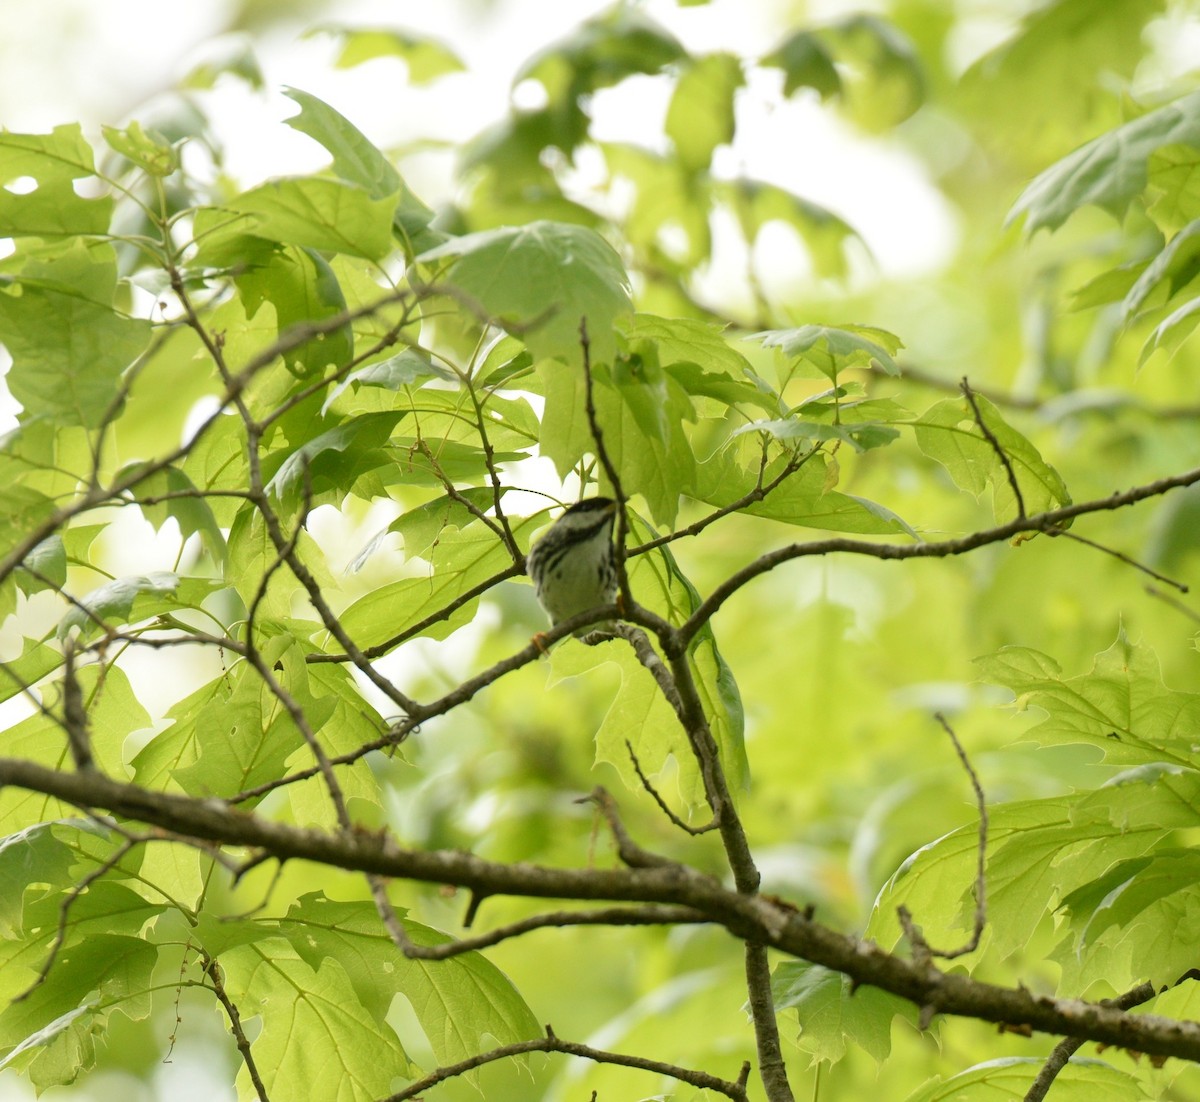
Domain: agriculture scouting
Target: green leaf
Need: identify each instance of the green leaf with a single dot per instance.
(426, 58)
(1109, 286)
(1039, 851)
(68, 344)
(806, 498)
(696, 354)
(182, 502)
(542, 279)
(1171, 270)
(105, 908)
(357, 161)
(233, 57)
(31, 861)
(234, 735)
(35, 661)
(1121, 705)
(669, 215)
(882, 80)
(662, 586)
(301, 286)
(1172, 331)
(1010, 1078)
(832, 350)
(861, 436)
(133, 599)
(317, 1040)
(47, 560)
(150, 151)
(329, 464)
(1053, 83)
(640, 410)
(422, 526)
(950, 433)
(50, 207)
(700, 116)
(113, 714)
(601, 52)
(1128, 889)
(833, 1014)
(320, 213)
(1174, 186)
(91, 979)
(806, 63)
(464, 1003)
(1110, 171)
(410, 365)
(824, 234)
(460, 560)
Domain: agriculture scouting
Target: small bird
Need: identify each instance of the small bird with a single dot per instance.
(573, 567)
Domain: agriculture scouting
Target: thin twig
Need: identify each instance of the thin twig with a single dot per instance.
(212, 969)
(64, 911)
(610, 469)
(629, 851)
(75, 720)
(675, 819)
(1126, 559)
(981, 851)
(550, 1043)
(444, 613)
(990, 436)
(603, 916)
(1175, 603)
(1036, 522)
(489, 461)
(752, 497)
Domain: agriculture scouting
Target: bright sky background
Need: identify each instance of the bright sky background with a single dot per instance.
(63, 60)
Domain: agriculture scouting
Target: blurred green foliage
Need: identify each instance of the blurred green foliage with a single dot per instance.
(432, 360)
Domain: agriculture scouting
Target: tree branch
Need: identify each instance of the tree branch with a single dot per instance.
(1065, 1049)
(550, 1043)
(747, 916)
(939, 549)
(990, 437)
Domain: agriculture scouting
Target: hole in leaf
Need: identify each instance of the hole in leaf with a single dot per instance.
(89, 187)
(22, 185)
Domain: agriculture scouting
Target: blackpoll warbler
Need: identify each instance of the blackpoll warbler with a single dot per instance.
(572, 566)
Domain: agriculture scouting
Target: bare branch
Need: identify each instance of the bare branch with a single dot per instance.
(675, 819)
(981, 851)
(1128, 560)
(212, 969)
(1066, 1048)
(747, 916)
(630, 852)
(1176, 604)
(75, 719)
(650, 915)
(550, 1043)
(939, 549)
(610, 469)
(771, 1067)
(990, 436)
